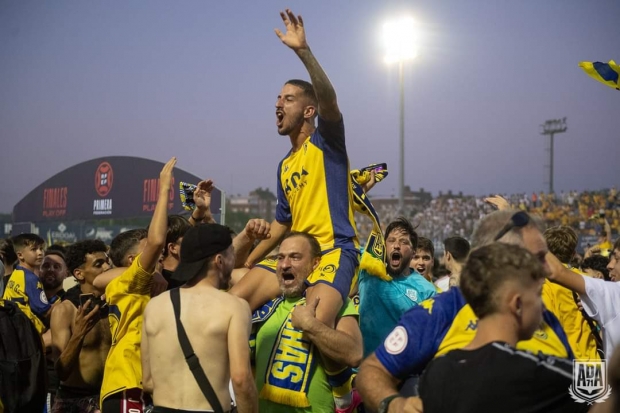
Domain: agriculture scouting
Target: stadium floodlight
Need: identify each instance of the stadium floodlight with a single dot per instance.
(400, 39)
(550, 128)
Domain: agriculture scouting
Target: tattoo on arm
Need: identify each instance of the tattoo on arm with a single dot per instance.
(325, 93)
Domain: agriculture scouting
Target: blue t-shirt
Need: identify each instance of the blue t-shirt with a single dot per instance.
(446, 322)
(382, 303)
(25, 289)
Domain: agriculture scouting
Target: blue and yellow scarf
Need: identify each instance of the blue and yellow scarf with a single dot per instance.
(291, 363)
(373, 258)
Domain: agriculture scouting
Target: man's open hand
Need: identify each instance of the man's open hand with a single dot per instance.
(295, 36)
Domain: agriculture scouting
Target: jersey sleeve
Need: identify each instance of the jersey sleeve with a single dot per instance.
(413, 343)
(134, 280)
(36, 296)
(600, 300)
(331, 134)
(283, 209)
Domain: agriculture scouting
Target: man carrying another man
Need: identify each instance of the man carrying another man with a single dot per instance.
(289, 374)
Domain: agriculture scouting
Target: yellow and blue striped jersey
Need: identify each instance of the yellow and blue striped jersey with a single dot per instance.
(314, 188)
(25, 289)
(127, 296)
(446, 322)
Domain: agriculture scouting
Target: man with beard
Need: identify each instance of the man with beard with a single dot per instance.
(289, 337)
(383, 302)
(80, 332)
(314, 196)
(220, 344)
(53, 273)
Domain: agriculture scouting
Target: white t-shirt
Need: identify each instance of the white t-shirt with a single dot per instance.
(601, 302)
(443, 283)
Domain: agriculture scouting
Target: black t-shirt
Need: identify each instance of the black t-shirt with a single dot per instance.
(168, 277)
(498, 378)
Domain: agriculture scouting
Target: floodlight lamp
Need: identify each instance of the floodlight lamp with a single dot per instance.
(400, 39)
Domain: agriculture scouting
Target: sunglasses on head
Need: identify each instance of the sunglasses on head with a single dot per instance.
(518, 220)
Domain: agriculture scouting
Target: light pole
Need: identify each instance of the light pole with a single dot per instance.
(400, 37)
(551, 127)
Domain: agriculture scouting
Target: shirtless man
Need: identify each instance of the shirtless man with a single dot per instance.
(81, 333)
(52, 274)
(220, 343)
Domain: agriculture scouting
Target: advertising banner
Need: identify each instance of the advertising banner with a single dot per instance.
(113, 187)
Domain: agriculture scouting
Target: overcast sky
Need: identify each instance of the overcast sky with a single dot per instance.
(198, 80)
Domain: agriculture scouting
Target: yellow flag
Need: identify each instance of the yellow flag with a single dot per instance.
(606, 73)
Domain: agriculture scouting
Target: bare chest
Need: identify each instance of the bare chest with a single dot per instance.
(99, 337)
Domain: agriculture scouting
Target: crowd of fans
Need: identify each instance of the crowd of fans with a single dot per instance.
(447, 215)
(288, 316)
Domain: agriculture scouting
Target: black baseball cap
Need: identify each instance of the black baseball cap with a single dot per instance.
(199, 244)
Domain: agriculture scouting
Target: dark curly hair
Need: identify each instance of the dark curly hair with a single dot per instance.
(597, 263)
(403, 224)
(75, 255)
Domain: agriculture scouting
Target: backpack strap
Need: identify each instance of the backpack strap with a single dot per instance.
(190, 356)
(596, 333)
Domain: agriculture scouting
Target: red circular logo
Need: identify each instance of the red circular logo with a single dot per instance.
(104, 177)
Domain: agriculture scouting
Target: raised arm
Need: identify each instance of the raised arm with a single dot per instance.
(564, 276)
(342, 344)
(607, 231)
(105, 278)
(255, 229)
(277, 232)
(156, 239)
(498, 202)
(375, 383)
(295, 38)
(202, 198)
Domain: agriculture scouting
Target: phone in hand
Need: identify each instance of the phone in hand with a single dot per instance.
(84, 299)
(376, 168)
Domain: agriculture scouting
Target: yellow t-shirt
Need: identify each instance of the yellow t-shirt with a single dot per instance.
(314, 189)
(559, 300)
(605, 248)
(127, 297)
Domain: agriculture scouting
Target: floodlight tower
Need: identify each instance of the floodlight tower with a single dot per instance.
(550, 128)
(399, 37)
